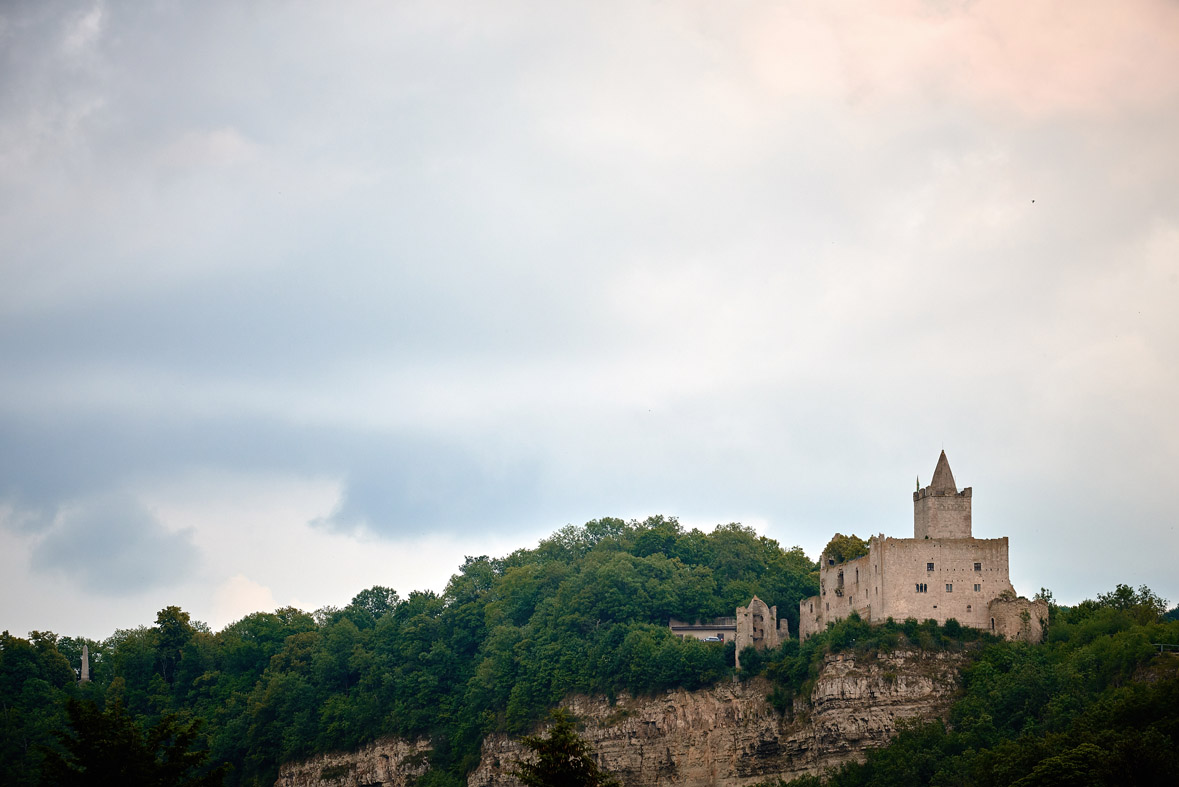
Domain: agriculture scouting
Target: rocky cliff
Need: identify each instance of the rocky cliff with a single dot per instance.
(385, 763)
(727, 735)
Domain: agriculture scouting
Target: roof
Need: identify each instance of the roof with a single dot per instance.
(943, 479)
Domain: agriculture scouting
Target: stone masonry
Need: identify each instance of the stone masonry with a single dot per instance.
(942, 572)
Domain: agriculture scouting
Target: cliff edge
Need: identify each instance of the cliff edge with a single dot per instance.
(726, 735)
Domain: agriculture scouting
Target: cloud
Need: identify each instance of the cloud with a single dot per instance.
(468, 267)
(85, 31)
(113, 546)
(409, 486)
(237, 597)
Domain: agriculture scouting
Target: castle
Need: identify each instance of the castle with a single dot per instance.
(942, 572)
(756, 625)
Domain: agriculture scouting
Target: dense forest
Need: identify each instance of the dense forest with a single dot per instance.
(584, 611)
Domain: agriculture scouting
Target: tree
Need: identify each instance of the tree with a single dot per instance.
(1144, 605)
(562, 759)
(108, 747)
(378, 601)
(173, 631)
(843, 548)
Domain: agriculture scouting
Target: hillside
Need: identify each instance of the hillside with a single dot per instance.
(584, 614)
(586, 611)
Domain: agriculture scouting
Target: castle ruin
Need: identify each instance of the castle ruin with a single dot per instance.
(756, 625)
(943, 572)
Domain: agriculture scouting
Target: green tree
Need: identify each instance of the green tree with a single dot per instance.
(108, 747)
(173, 631)
(1144, 605)
(843, 548)
(562, 759)
(34, 678)
(373, 604)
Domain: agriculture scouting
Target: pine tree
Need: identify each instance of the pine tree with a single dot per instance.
(562, 759)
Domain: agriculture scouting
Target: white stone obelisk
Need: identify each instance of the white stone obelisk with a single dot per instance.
(85, 664)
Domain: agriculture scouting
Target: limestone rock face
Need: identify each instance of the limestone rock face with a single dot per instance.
(727, 735)
(389, 762)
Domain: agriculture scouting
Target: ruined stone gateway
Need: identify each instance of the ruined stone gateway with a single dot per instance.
(942, 572)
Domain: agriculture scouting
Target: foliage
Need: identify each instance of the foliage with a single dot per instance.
(33, 678)
(562, 759)
(584, 611)
(108, 747)
(843, 548)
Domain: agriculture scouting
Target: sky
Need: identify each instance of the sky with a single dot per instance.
(297, 298)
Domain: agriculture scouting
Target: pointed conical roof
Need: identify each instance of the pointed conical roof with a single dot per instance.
(943, 479)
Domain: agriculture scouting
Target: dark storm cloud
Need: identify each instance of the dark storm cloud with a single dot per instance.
(113, 546)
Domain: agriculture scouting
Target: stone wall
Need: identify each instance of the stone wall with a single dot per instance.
(894, 580)
(941, 514)
(723, 629)
(758, 625)
(1018, 618)
(949, 588)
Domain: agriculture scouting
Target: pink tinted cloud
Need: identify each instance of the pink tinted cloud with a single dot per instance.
(1036, 59)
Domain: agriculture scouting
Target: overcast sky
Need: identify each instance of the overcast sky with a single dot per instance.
(301, 297)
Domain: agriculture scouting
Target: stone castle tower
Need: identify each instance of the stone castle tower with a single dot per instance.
(940, 510)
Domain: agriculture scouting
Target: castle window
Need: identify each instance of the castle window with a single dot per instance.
(929, 566)
(977, 587)
(978, 566)
(992, 624)
(922, 587)
(949, 587)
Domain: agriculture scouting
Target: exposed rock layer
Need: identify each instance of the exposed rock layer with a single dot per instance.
(389, 762)
(726, 735)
